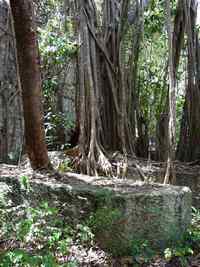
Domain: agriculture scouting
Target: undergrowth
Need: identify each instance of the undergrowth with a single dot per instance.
(39, 236)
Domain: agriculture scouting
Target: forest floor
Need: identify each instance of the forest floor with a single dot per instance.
(154, 171)
(94, 256)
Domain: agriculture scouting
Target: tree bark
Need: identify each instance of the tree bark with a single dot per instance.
(11, 114)
(189, 142)
(29, 70)
(172, 101)
(104, 119)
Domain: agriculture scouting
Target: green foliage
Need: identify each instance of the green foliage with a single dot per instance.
(104, 218)
(57, 47)
(182, 252)
(65, 166)
(142, 252)
(152, 85)
(181, 249)
(39, 235)
(25, 183)
(194, 231)
(108, 228)
(154, 18)
(20, 258)
(153, 67)
(189, 244)
(56, 37)
(84, 234)
(42, 236)
(53, 121)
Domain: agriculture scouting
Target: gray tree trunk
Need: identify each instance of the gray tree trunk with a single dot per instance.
(11, 118)
(172, 100)
(189, 143)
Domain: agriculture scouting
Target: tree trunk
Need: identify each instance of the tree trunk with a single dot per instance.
(105, 124)
(172, 102)
(189, 142)
(162, 140)
(29, 70)
(177, 45)
(11, 114)
(137, 123)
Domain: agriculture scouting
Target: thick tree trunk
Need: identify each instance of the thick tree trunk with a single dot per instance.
(137, 123)
(189, 143)
(104, 121)
(29, 70)
(11, 114)
(177, 44)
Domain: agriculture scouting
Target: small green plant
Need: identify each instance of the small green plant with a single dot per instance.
(108, 227)
(84, 234)
(65, 166)
(40, 237)
(189, 244)
(181, 251)
(25, 183)
(142, 252)
(104, 218)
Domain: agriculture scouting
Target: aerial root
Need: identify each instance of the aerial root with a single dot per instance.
(95, 163)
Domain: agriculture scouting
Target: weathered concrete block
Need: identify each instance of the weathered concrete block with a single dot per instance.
(156, 213)
(120, 213)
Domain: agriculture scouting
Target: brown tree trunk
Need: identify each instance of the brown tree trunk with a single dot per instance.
(29, 70)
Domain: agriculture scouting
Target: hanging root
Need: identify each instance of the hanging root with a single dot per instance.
(94, 164)
(170, 175)
(104, 164)
(98, 163)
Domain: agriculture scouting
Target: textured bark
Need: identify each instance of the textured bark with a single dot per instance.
(143, 139)
(178, 35)
(183, 144)
(162, 137)
(11, 114)
(134, 113)
(172, 101)
(189, 144)
(176, 43)
(104, 119)
(29, 70)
